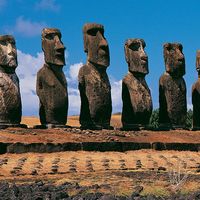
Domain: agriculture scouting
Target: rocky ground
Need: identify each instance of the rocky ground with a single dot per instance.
(40, 191)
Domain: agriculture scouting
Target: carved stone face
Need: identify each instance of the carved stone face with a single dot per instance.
(54, 50)
(136, 56)
(8, 52)
(174, 59)
(198, 61)
(95, 45)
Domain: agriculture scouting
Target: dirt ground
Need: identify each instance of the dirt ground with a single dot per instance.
(57, 135)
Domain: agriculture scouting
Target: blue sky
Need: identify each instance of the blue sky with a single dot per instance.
(156, 21)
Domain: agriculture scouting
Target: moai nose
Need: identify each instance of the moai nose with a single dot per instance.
(103, 41)
(58, 43)
(9, 49)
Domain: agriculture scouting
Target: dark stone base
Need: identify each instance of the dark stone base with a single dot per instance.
(96, 127)
(135, 127)
(167, 127)
(195, 128)
(178, 127)
(49, 126)
(108, 127)
(90, 127)
(4, 126)
(164, 127)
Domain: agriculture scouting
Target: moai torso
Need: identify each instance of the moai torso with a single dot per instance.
(136, 96)
(172, 89)
(10, 99)
(196, 96)
(94, 86)
(51, 82)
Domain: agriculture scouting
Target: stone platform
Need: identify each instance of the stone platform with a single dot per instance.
(20, 140)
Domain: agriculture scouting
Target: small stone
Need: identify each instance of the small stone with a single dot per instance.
(162, 169)
(34, 172)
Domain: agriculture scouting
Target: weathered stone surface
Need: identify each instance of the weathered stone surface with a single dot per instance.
(94, 85)
(51, 82)
(10, 99)
(196, 96)
(136, 96)
(172, 88)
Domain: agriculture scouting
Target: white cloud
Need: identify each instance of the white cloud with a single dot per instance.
(47, 5)
(74, 69)
(27, 69)
(73, 92)
(26, 27)
(116, 91)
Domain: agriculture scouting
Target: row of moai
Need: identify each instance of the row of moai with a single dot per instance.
(94, 85)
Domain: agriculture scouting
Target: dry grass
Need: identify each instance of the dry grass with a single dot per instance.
(71, 120)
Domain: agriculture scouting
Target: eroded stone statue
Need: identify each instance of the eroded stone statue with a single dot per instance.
(10, 99)
(136, 96)
(196, 96)
(51, 82)
(94, 85)
(172, 88)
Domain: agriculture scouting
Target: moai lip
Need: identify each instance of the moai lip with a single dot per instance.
(172, 89)
(136, 96)
(51, 82)
(94, 85)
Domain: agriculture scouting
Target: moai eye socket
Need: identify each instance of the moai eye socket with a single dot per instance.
(3, 42)
(51, 36)
(134, 46)
(92, 32)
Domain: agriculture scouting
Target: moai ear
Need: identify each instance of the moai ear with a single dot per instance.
(198, 60)
(126, 51)
(85, 40)
(166, 49)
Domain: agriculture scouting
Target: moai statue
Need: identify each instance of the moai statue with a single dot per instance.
(136, 96)
(51, 82)
(94, 85)
(172, 89)
(10, 99)
(196, 96)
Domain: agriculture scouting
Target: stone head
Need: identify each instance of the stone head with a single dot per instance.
(198, 61)
(136, 57)
(8, 52)
(54, 50)
(174, 59)
(95, 45)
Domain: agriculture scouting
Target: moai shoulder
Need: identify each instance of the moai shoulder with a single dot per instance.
(51, 85)
(136, 96)
(94, 85)
(172, 88)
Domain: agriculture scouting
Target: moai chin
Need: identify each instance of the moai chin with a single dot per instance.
(196, 96)
(94, 85)
(51, 82)
(136, 96)
(172, 89)
(10, 99)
